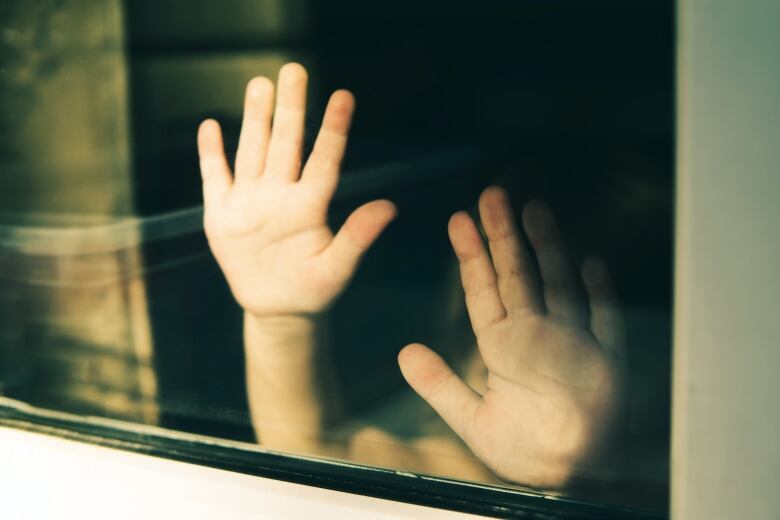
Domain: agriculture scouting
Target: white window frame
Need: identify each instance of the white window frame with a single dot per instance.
(726, 416)
(42, 476)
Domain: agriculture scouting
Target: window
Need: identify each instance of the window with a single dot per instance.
(112, 305)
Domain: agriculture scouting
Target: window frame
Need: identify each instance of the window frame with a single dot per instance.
(380, 483)
(725, 451)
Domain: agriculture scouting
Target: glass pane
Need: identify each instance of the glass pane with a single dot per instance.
(521, 156)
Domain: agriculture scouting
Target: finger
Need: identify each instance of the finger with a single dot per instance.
(284, 150)
(607, 322)
(361, 229)
(255, 129)
(214, 168)
(322, 168)
(562, 294)
(476, 272)
(514, 269)
(429, 376)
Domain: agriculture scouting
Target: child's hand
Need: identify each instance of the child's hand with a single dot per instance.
(267, 224)
(554, 367)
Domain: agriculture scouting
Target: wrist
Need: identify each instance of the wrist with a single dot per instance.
(287, 338)
(281, 324)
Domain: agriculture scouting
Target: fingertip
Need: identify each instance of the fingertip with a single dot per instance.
(403, 359)
(538, 220)
(213, 168)
(367, 222)
(381, 210)
(597, 279)
(258, 86)
(459, 223)
(496, 212)
(408, 353)
(455, 223)
(338, 114)
(594, 272)
(342, 100)
(464, 236)
(537, 210)
(389, 212)
(209, 134)
(208, 126)
(420, 366)
(293, 67)
(493, 196)
(293, 72)
(389, 208)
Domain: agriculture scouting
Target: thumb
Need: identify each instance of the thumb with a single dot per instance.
(361, 229)
(429, 376)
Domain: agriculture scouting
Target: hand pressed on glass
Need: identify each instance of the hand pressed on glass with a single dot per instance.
(553, 378)
(267, 224)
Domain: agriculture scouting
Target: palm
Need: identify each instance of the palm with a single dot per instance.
(548, 393)
(553, 378)
(267, 225)
(269, 251)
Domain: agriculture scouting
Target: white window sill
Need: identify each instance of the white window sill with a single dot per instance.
(44, 477)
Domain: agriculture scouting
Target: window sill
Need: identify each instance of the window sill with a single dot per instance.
(243, 462)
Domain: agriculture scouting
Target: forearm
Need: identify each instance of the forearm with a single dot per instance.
(290, 383)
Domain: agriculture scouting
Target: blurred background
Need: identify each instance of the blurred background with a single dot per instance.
(110, 303)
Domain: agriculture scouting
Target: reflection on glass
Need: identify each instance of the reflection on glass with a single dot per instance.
(412, 304)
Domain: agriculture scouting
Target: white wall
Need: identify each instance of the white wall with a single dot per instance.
(726, 422)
